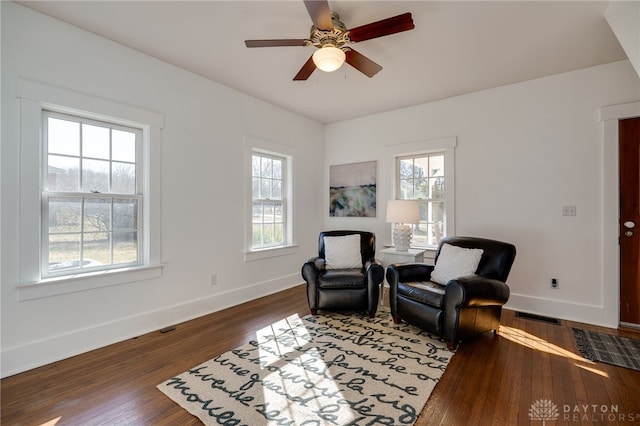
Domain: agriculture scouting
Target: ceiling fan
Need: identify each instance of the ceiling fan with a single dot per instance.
(332, 38)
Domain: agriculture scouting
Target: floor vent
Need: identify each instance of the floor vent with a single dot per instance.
(535, 317)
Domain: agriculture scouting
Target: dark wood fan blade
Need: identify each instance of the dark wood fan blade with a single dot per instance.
(307, 69)
(276, 43)
(362, 63)
(382, 28)
(319, 13)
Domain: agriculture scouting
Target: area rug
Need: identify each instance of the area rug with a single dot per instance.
(331, 369)
(608, 348)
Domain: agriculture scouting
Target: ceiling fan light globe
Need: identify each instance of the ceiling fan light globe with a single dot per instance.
(329, 58)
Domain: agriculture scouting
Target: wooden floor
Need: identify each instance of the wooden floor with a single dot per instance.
(492, 380)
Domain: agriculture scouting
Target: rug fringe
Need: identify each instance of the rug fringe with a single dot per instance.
(581, 341)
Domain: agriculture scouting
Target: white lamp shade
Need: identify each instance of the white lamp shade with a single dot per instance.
(403, 211)
(328, 58)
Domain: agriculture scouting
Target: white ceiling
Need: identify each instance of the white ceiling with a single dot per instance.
(456, 47)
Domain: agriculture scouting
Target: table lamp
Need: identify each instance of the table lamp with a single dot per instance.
(402, 213)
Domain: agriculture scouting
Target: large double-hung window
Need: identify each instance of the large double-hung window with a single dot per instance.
(92, 200)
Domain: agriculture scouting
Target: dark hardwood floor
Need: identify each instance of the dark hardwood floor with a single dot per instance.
(492, 380)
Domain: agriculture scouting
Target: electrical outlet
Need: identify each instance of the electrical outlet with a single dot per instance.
(554, 283)
(568, 210)
(213, 280)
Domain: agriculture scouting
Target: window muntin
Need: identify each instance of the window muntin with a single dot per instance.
(269, 218)
(91, 197)
(421, 177)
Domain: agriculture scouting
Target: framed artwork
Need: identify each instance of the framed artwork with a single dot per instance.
(352, 190)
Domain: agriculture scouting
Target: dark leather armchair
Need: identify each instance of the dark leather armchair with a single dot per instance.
(465, 306)
(350, 289)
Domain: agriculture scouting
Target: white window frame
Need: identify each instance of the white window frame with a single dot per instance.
(254, 145)
(36, 98)
(445, 145)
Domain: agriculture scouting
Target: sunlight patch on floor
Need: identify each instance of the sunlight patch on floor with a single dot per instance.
(280, 338)
(51, 422)
(528, 340)
(593, 370)
(536, 343)
(275, 342)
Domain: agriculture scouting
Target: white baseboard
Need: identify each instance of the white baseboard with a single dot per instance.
(588, 314)
(18, 359)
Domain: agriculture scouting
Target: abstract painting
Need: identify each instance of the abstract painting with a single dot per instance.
(352, 190)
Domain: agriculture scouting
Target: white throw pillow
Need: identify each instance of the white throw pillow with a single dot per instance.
(454, 262)
(342, 252)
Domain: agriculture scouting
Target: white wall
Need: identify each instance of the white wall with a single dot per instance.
(624, 19)
(523, 151)
(202, 194)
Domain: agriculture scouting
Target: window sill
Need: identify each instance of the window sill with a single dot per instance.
(88, 281)
(270, 252)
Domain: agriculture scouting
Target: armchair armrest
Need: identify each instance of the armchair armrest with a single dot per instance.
(471, 294)
(404, 272)
(374, 271)
(310, 271)
(408, 272)
(312, 268)
(474, 290)
(375, 275)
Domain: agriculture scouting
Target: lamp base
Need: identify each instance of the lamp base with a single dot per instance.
(402, 236)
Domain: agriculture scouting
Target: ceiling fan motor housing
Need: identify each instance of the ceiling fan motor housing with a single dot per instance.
(336, 37)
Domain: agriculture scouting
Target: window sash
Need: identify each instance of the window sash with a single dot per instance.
(429, 190)
(114, 160)
(269, 230)
(269, 222)
(116, 246)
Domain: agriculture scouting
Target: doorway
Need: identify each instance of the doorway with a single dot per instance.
(629, 223)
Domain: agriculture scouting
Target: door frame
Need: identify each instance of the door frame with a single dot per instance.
(610, 115)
